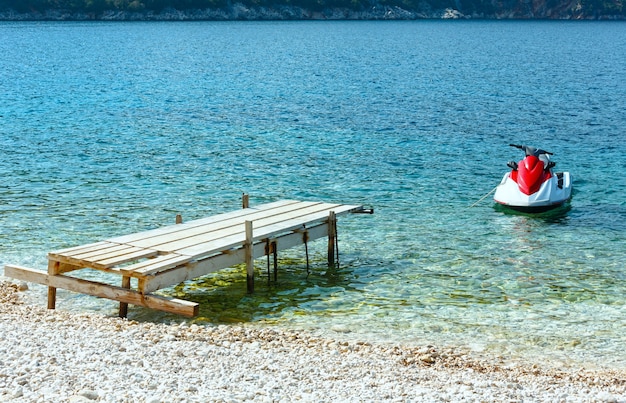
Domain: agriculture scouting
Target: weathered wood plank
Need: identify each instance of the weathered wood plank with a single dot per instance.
(177, 228)
(113, 260)
(315, 211)
(81, 249)
(113, 250)
(172, 260)
(175, 240)
(268, 207)
(148, 262)
(292, 224)
(104, 258)
(260, 232)
(172, 305)
(108, 264)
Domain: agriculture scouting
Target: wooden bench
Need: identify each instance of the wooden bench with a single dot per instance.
(166, 256)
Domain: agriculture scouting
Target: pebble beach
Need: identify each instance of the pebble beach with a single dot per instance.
(58, 356)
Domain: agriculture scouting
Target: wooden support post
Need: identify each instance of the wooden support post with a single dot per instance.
(179, 219)
(336, 244)
(332, 235)
(268, 248)
(52, 297)
(275, 250)
(305, 239)
(124, 305)
(53, 269)
(249, 257)
(245, 201)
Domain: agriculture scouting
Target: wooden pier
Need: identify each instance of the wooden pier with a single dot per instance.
(166, 256)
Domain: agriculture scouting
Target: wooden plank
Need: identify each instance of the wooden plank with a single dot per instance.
(299, 215)
(172, 305)
(308, 216)
(147, 262)
(261, 232)
(172, 241)
(199, 268)
(214, 246)
(153, 266)
(112, 250)
(298, 222)
(151, 270)
(94, 245)
(80, 249)
(268, 207)
(169, 243)
(145, 235)
(64, 260)
(107, 262)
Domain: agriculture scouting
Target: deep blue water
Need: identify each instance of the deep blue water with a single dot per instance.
(112, 128)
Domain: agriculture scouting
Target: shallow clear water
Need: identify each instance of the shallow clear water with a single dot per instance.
(112, 128)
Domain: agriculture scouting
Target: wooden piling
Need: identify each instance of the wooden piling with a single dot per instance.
(305, 240)
(268, 251)
(249, 257)
(124, 305)
(54, 268)
(275, 253)
(332, 235)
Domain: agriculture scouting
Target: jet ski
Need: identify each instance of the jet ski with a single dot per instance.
(531, 186)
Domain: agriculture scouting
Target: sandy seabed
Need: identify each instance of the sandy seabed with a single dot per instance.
(56, 356)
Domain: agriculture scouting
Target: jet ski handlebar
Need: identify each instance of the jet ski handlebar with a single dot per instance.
(529, 150)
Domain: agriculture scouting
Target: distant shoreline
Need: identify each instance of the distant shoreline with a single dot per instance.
(240, 12)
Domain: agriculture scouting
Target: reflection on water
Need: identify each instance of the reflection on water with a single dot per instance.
(223, 296)
(556, 215)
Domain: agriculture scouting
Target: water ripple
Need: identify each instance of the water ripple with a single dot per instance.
(113, 128)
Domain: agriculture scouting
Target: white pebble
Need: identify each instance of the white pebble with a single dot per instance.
(56, 356)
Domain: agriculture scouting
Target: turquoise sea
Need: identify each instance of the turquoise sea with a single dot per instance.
(113, 128)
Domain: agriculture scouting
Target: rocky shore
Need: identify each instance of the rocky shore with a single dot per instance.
(239, 12)
(55, 356)
(235, 12)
